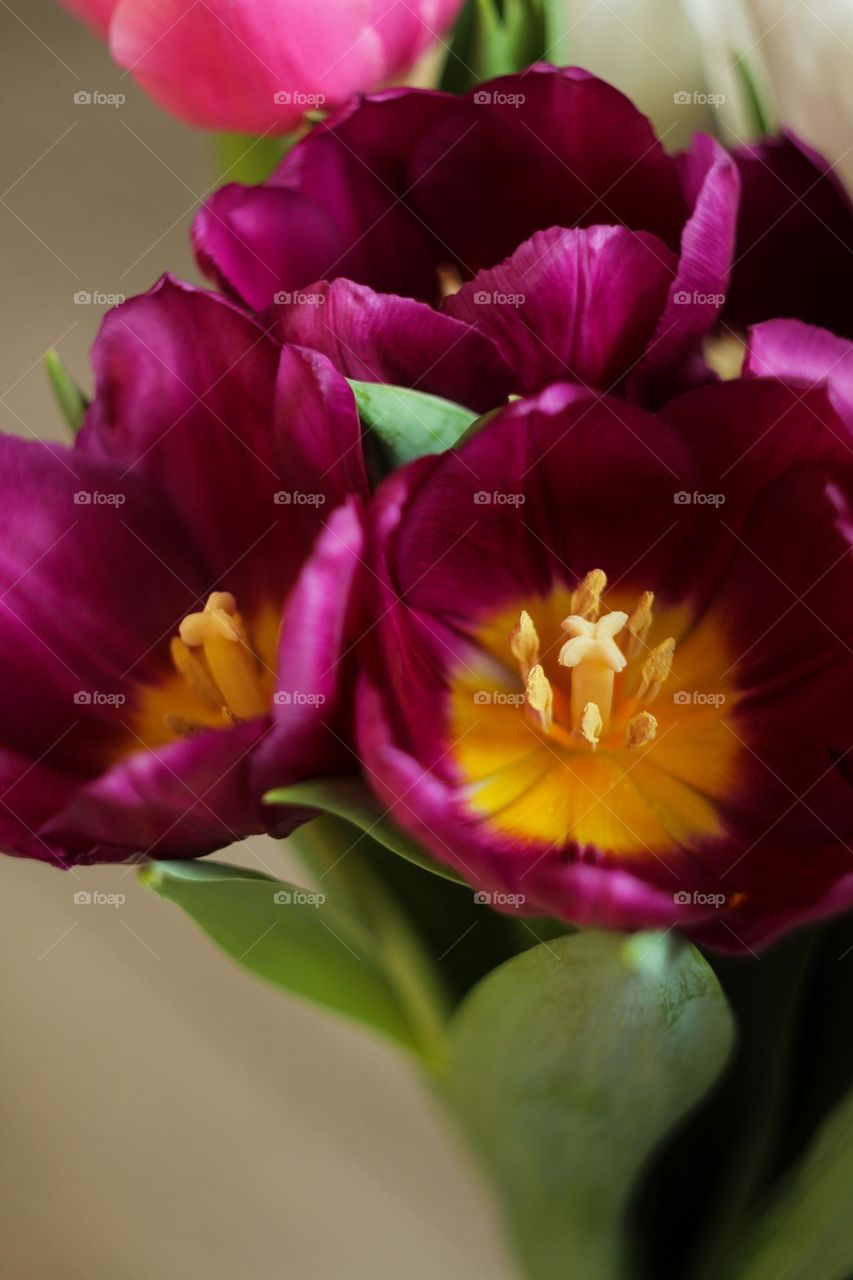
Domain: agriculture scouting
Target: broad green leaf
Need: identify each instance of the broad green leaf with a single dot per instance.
(409, 423)
(349, 798)
(569, 1064)
(806, 1230)
(311, 948)
(246, 158)
(72, 403)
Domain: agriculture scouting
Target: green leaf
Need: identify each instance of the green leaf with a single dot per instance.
(350, 799)
(494, 38)
(243, 157)
(569, 1064)
(806, 1229)
(409, 423)
(311, 948)
(72, 403)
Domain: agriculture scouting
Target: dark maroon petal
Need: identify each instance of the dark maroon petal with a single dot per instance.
(546, 148)
(794, 252)
(181, 801)
(311, 720)
(577, 304)
(249, 444)
(335, 207)
(804, 354)
(381, 338)
(711, 185)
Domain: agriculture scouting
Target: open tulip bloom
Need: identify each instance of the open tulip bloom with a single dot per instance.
(434, 542)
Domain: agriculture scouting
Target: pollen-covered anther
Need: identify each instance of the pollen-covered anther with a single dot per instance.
(639, 623)
(524, 644)
(586, 598)
(213, 654)
(640, 730)
(591, 724)
(656, 669)
(540, 696)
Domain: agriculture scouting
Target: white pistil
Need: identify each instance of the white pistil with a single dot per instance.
(655, 670)
(640, 730)
(595, 658)
(540, 696)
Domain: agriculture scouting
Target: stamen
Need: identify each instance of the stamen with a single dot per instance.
(639, 623)
(524, 644)
(213, 654)
(586, 598)
(591, 724)
(655, 670)
(595, 657)
(640, 730)
(540, 696)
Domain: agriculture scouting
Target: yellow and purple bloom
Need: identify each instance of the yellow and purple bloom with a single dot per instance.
(175, 590)
(610, 679)
(532, 230)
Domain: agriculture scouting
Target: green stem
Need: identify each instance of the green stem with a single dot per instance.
(338, 856)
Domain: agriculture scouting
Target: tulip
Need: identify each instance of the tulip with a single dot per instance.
(176, 591)
(257, 66)
(581, 247)
(610, 679)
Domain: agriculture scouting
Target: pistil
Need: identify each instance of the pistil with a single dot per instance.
(595, 658)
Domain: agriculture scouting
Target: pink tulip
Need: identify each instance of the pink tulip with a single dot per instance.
(259, 65)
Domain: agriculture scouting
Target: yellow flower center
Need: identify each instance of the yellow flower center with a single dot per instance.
(223, 672)
(620, 739)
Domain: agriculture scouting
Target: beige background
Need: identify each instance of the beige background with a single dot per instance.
(164, 1115)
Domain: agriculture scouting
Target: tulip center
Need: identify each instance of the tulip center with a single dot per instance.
(573, 722)
(222, 673)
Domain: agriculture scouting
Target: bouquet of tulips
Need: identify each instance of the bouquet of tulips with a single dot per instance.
(484, 530)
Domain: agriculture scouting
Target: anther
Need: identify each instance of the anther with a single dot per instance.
(640, 730)
(655, 670)
(540, 696)
(524, 644)
(638, 624)
(586, 598)
(591, 724)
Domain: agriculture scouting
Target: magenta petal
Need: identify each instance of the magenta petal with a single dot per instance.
(382, 338)
(698, 293)
(794, 253)
(577, 304)
(316, 664)
(186, 799)
(797, 352)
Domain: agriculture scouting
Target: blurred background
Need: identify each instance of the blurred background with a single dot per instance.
(163, 1113)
